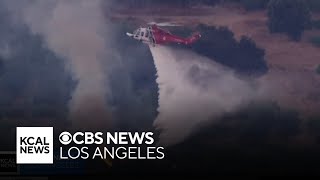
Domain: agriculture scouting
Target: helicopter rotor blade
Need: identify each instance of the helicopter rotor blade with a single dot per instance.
(164, 24)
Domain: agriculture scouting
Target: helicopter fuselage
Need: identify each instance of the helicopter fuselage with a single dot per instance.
(154, 35)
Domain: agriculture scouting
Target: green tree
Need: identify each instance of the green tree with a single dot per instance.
(254, 4)
(314, 5)
(1, 66)
(289, 16)
(220, 44)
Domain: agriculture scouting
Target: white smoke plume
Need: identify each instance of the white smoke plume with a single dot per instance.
(193, 90)
(76, 31)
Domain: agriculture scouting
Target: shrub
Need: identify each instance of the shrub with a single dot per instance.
(219, 44)
(314, 5)
(289, 16)
(318, 69)
(316, 24)
(315, 41)
(254, 4)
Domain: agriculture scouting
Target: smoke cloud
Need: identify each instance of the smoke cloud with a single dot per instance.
(75, 30)
(194, 90)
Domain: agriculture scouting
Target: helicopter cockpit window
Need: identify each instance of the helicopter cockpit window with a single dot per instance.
(142, 33)
(136, 33)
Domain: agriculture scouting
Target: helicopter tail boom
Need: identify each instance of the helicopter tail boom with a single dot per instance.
(194, 37)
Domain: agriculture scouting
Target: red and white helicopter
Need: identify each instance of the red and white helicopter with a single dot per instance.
(153, 35)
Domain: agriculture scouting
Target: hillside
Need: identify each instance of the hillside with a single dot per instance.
(292, 76)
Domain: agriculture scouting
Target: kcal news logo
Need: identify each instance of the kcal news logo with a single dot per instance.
(34, 145)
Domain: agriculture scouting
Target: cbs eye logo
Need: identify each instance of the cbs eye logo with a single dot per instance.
(65, 138)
